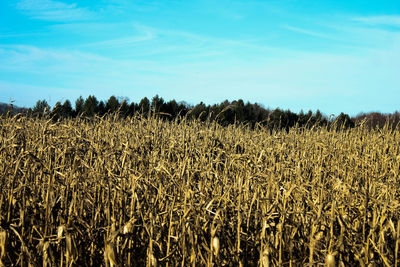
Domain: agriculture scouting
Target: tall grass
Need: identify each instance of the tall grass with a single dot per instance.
(143, 191)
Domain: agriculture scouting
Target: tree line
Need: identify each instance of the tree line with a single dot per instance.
(224, 113)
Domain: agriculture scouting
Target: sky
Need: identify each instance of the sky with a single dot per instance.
(335, 56)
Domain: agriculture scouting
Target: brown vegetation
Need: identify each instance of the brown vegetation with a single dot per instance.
(143, 191)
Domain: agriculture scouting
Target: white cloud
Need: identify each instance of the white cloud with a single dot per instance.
(197, 67)
(31, 59)
(53, 10)
(142, 34)
(305, 80)
(121, 41)
(308, 32)
(387, 20)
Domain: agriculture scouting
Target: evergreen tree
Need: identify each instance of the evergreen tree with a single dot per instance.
(171, 108)
(124, 108)
(112, 104)
(41, 107)
(224, 113)
(90, 107)
(199, 111)
(240, 111)
(157, 104)
(79, 106)
(66, 109)
(144, 106)
(101, 108)
(56, 112)
(133, 108)
(343, 121)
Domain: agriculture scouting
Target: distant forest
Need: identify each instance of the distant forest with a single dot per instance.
(225, 113)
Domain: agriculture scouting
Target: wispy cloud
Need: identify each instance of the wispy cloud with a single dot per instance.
(16, 35)
(142, 34)
(34, 60)
(31, 60)
(304, 80)
(344, 58)
(120, 42)
(388, 20)
(53, 10)
(308, 32)
(181, 45)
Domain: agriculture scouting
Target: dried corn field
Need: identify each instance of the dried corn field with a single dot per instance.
(146, 192)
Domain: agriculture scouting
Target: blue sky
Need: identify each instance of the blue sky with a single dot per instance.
(329, 55)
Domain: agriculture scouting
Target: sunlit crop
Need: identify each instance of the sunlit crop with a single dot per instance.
(148, 192)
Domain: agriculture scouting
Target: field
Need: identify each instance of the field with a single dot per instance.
(147, 192)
